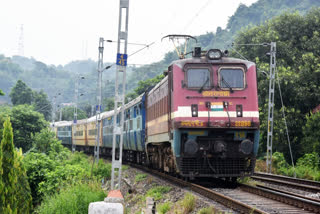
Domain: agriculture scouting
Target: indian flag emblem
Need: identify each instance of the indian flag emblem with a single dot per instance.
(217, 106)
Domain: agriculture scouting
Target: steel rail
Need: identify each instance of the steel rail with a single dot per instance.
(213, 195)
(289, 199)
(287, 178)
(290, 183)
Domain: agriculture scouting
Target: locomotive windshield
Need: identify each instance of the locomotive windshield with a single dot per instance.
(231, 78)
(198, 78)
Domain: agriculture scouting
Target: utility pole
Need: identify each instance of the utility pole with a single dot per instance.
(120, 94)
(53, 114)
(272, 75)
(99, 91)
(60, 117)
(75, 110)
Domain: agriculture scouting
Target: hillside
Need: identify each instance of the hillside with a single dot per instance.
(55, 79)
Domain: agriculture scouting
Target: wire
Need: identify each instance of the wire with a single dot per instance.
(285, 122)
(195, 16)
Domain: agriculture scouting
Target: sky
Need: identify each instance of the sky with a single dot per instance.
(60, 31)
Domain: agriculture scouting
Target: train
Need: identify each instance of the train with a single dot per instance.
(200, 121)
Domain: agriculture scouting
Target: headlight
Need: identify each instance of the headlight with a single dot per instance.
(246, 146)
(191, 147)
(214, 54)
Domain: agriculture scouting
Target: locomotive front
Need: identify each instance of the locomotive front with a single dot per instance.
(214, 115)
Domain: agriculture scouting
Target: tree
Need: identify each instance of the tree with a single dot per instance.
(311, 138)
(8, 203)
(298, 69)
(42, 104)
(68, 112)
(21, 94)
(1, 93)
(25, 122)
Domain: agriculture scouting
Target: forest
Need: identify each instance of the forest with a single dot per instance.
(40, 168)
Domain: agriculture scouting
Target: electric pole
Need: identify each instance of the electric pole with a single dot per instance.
(99, 91)
(120, 94)
(272, 75)
(75, 110)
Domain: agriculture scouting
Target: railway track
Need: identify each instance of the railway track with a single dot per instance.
(248, 199)
(302, 184)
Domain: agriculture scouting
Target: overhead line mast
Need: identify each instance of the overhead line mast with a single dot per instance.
(119, 99)
(99, 97)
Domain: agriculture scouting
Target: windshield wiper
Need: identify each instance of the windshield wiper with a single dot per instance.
(201, 89)
(227, 84)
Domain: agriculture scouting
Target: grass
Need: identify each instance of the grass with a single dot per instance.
(140, 177)
(164, 208)
(72, 199)
(188, 203)
(207, 210)
(157, 192)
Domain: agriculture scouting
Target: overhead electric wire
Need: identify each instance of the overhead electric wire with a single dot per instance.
(285, 122)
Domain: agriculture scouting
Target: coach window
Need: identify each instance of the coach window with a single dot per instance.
(198, 78)
(231, 78)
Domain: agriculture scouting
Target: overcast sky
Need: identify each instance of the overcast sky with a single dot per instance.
(59, 31)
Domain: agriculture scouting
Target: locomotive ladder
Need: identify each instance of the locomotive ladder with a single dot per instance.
(119, 98)
(271, 104)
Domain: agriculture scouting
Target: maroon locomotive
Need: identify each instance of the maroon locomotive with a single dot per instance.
(202, 119)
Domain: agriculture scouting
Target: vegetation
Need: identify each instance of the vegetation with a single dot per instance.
(298, 71)
(25, 122)
(15, 194)
(164, 208)
(1, 93)
(74, 199)
(21, 94)
(140, 177)
(157, 192)
(207, 210)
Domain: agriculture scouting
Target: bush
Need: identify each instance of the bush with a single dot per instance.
(72, 199)
(38, 165)
(140, 177)
(102, 170)
(207, 210)
(188, 203)
(62, 176)
(164, 208)
(157, 192)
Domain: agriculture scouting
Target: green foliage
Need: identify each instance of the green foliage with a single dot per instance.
(21, 94)
(42, 104)
(38, 165)
(68, 114)
(8, 203)
(15, 194)
(25, 122)
(23, 192)
(108, 103)
(62, 176)
(188, 203)
(72, 199)
(144, 85)
(298, 68)
(207, 210)
(164, 208)
(311, 134)
(1, 93)
(157, 192)
(102, 170)
(311, 161)
(307, 167)
(140, 177)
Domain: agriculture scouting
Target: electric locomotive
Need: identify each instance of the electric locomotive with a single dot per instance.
(201, 120)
